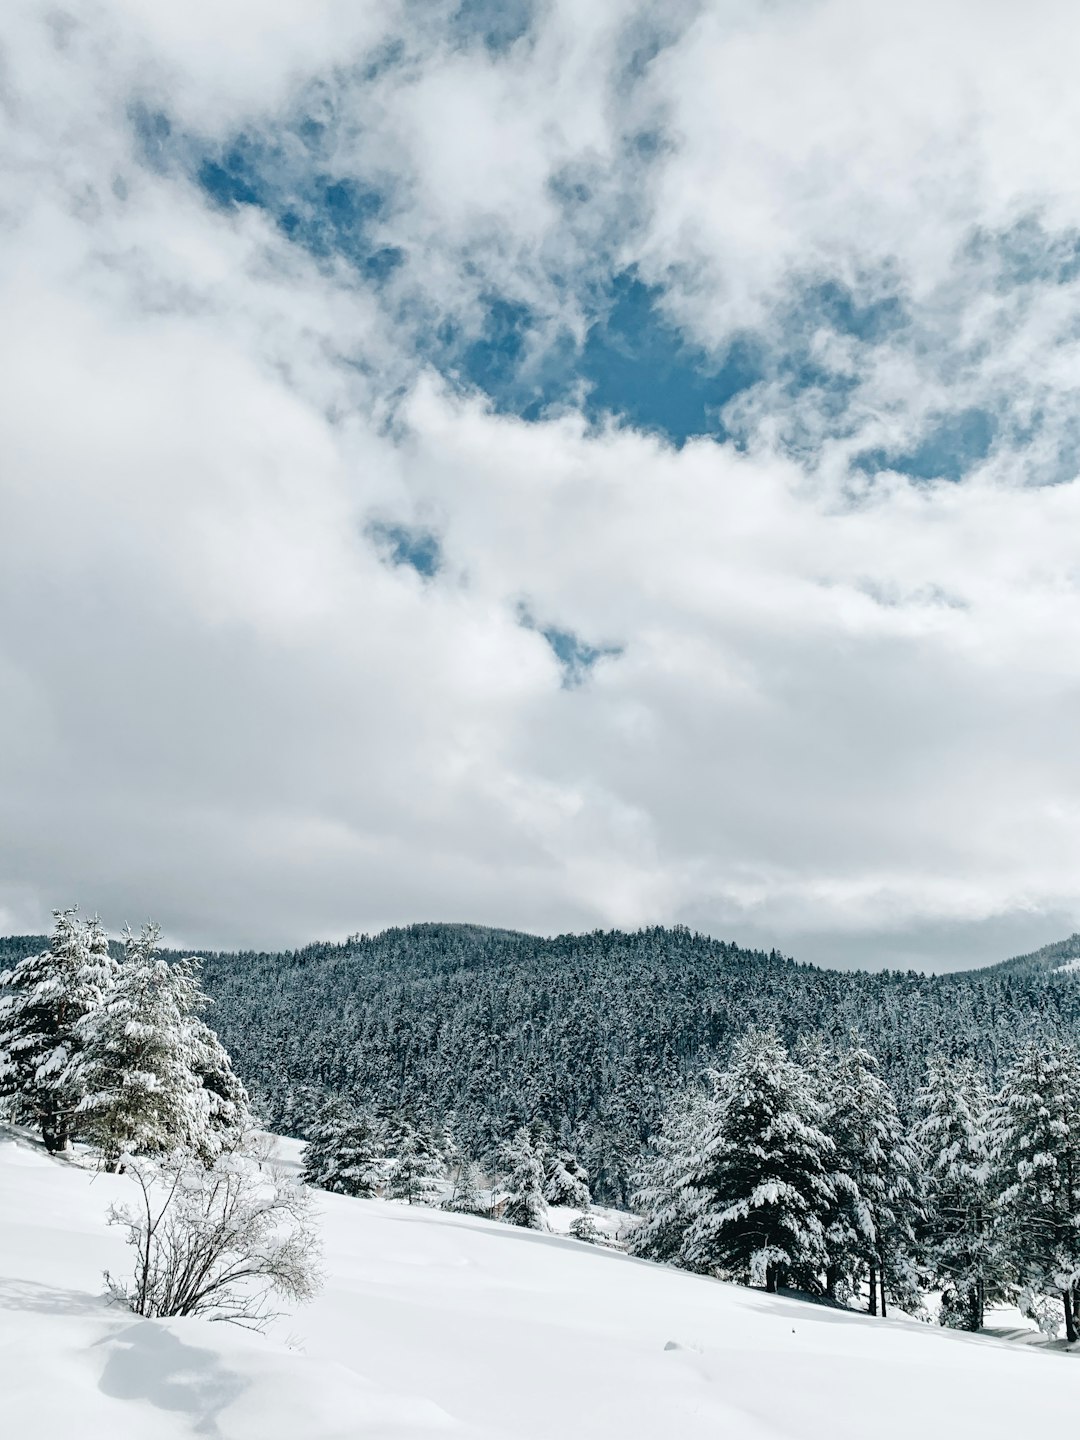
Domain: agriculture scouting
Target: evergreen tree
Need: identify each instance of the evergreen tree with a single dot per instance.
(584, 1228)
(1037, 1174)
(228, 1109)
(524, 1184)
(952, 1136)
(467, 1195)
(665, 1196)
(416, 1167)
(48, 996)
(761, 1170)
(346, 1152)
(566, 1182)
(141, 1058)
(875, 1182)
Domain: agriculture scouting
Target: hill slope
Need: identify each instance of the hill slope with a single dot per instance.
(585, 1033)
(435, 1325)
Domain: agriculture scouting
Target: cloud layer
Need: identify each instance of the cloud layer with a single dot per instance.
(331, 597)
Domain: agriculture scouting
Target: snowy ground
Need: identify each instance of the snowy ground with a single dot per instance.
(443, 1326)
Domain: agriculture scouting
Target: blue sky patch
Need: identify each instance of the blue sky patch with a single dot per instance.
(1026, 253)
(409, 545)
(635, 364)
(497, 24)
(328, 215)
(638, 365)
(575, 656)
(952, 447)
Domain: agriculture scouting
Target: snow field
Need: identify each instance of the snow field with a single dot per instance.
(449, 1326)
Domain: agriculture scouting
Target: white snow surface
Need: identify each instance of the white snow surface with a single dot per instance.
(434, 1325)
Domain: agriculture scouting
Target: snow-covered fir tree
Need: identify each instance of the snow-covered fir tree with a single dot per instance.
(228, 1107)
(468, 1188)
(761, 1170)
(584, 1227)
(952, 1136)
(566, 1181)
(346, 1151)
(467, 1185)
(416, 1166)
(143, 1059)
(523, 1183)
(870, 1225)
(47, 997)
(1037, 1177)
(664, 1193)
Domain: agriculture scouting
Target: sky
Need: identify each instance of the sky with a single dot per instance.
(545, 465)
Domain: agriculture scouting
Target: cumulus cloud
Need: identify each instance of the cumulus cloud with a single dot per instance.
(282, 599)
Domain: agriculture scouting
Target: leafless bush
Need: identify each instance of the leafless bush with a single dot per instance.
(217, 1240)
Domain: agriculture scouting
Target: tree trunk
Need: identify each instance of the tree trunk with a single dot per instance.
(770, 1279)
(55, 1129)
(831, 1278)
(55, 1138)
(1070, 1318)
(881, 1281)
(873, 1288)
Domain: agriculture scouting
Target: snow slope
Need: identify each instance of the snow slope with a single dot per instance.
(443, 1326)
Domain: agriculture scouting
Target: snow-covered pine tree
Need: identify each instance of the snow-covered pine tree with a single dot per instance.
(468, 1189)
(229, 1115)
(566, 1182)
(664, 1194)
(584, 1227)
(1036, 1163)
(345, 1152)
(849, 1232)
(761, 1170)
(523, 1183)
(416, 1167)
(465, 1178)
(875, 1180)
(141, 1063)
(46, 997)
(952, 1137)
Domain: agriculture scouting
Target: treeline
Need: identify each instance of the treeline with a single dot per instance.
(801, 1171)
(587, 1036)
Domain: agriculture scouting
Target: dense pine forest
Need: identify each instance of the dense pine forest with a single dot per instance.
(585, 1036)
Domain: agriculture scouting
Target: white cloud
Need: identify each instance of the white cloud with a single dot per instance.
(845, 711)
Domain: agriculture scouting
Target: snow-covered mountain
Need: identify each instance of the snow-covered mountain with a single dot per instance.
(438, 1325)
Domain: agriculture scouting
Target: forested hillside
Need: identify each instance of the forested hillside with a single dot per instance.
(587, 1034)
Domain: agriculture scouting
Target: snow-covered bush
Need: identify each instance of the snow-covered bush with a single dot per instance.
(217, 1240)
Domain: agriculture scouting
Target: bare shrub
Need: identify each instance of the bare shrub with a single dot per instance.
(216, 1240)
